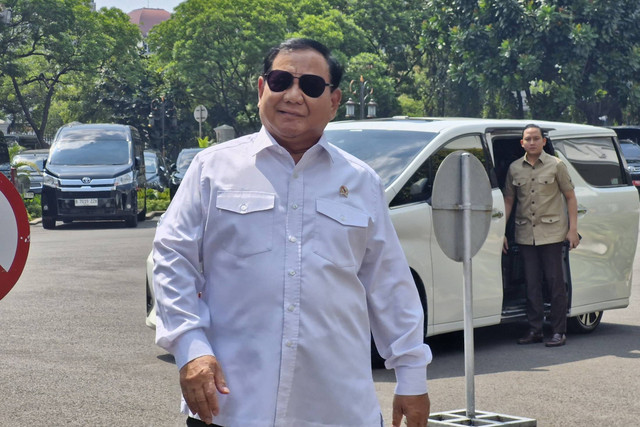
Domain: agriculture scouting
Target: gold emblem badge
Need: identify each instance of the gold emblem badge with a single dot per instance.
(344, 191)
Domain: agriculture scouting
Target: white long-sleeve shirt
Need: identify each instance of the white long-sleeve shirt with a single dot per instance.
(281, 270)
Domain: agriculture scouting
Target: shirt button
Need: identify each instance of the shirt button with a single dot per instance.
(295, 176)
(294, 206)
(342, 218)
(289, 344)
(291, 308)
(292, 239)
(243, 207)
(292, 273)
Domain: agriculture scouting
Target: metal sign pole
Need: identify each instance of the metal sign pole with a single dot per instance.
(462, 202)
(468, 292)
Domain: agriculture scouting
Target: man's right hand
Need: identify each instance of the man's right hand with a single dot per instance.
(199, 380)
(505, 245)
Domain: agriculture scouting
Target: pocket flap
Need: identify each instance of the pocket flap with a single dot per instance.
(549, 219)
(244, 202)
(517, 182)
(546, 179)
(344, 214)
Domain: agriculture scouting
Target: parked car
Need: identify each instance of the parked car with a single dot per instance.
(94, 172)
(156, 170)
(5, 164)
(180, 168)
(30, 163)
(628, 132)
(406, 153)
(631, 152)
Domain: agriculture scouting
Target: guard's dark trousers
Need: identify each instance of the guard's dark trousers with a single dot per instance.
(545, 261)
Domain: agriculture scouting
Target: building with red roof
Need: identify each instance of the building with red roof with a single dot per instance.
(146, 18)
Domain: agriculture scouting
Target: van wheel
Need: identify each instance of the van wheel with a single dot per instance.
(585, 323)
(132, 221)
(48, 223)
(142, 215)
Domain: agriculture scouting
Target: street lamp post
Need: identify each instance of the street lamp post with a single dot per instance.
(162, 109)
(364, 92)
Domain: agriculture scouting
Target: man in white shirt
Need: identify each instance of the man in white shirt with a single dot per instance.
(276, 261)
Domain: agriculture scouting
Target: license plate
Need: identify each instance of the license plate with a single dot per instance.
(86, 202)
(28, 195)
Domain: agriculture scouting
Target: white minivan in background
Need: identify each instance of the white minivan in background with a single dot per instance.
(406, 153)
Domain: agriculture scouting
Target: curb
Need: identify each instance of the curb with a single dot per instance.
(149, 215)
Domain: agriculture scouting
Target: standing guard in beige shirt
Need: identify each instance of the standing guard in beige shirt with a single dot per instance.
(544, 220)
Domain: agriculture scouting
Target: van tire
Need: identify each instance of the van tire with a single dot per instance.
(48, 223)
(132, 221)
(584, 323)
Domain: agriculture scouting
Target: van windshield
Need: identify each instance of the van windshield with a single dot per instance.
(388, 152)
(90, 152)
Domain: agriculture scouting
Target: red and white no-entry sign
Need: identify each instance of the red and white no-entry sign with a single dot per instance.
(14, 236)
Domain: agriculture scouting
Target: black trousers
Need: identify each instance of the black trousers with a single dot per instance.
(194, 422)
(545, 261)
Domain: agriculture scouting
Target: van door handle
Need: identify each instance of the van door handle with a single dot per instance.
(497, 214)
(582, 210)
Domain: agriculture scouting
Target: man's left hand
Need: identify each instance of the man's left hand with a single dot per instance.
(573, 238)
(414, 408)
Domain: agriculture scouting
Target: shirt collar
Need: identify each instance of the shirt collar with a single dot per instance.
(265, 140)
(543, 157)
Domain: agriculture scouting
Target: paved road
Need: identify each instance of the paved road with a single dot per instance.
(74, 349)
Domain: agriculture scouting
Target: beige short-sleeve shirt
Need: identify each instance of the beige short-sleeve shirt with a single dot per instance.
(541, 212)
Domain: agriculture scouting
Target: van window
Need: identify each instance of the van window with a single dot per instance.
(595, 159)
(90, 152)
(420, 186)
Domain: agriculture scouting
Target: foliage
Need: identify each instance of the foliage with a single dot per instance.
(13, 150)
(55, 45)
(575, 60)
(216, 48)
(570, 60)
(34, 209)
(157, 201)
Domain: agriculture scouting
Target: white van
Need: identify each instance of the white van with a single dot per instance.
(406, 153)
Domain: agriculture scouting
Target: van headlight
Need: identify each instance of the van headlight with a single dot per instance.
(50, 181)
(127, 178)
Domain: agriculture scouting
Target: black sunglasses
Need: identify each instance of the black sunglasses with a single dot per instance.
(310, 84)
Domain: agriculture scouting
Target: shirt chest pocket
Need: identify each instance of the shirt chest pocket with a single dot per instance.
(547, 185)
(244, 222)
(340, 233)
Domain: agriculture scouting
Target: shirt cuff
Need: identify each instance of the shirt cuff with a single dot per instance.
(190, 345)
(411, 381)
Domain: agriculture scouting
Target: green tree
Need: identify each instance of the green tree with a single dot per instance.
(572, 60)
(54, 44)
(216, 47)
